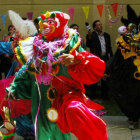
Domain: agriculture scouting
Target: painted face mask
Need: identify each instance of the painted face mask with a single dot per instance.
(49, 27)
(52, 24)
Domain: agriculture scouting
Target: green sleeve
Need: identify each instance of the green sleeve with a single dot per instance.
(73, 41)
(80, 49)
(22, 86)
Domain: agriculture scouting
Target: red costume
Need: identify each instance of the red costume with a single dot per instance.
(56, 88)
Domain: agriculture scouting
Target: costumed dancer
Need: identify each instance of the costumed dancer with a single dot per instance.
(55, 67)
(125, 69)
(17, 108)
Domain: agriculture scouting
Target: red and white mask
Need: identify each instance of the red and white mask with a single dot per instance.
(52, 24)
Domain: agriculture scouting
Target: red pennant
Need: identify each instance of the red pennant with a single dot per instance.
(115, 8)
(100, 9)
(71, 12)
(30, 15)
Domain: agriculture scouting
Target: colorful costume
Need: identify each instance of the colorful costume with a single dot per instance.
(58, 102)
(17, 108)
(125, 72)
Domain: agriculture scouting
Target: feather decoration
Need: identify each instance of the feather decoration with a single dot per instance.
(25, 27)
(131, 17)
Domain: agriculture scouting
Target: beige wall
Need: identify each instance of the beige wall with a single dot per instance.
(36, 6)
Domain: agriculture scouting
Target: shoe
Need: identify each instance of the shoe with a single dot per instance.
(134, 125)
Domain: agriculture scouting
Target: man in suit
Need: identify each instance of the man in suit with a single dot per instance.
(100, 44)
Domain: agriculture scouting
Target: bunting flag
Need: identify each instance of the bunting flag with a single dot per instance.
(3, 18)
(71, 13)
(115, 8)
(100, 9)
(86, 11)
(30, 15)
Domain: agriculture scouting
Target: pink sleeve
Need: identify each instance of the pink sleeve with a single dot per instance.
(90, 70)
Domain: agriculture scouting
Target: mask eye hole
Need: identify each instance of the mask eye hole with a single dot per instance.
(50, 22)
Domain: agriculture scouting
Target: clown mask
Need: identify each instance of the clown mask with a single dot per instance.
(52, 24)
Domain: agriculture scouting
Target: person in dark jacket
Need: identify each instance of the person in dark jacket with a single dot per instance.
(99, 43)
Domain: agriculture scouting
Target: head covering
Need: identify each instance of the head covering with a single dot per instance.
(61, 20)
(131, 17)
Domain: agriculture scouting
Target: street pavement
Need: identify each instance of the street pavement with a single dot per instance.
(117, 128)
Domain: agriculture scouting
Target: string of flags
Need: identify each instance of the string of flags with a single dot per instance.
(85, 9)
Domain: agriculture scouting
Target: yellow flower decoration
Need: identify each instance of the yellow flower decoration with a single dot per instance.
(48, 14)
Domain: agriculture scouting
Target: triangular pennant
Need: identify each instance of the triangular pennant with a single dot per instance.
(86, 11)
(115, 8)
(100, 9)
(3, 18)
(71, 13)
(0, 27)
(30, 15)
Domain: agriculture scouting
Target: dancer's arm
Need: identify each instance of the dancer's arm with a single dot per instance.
(20, 88)
(90, 70)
